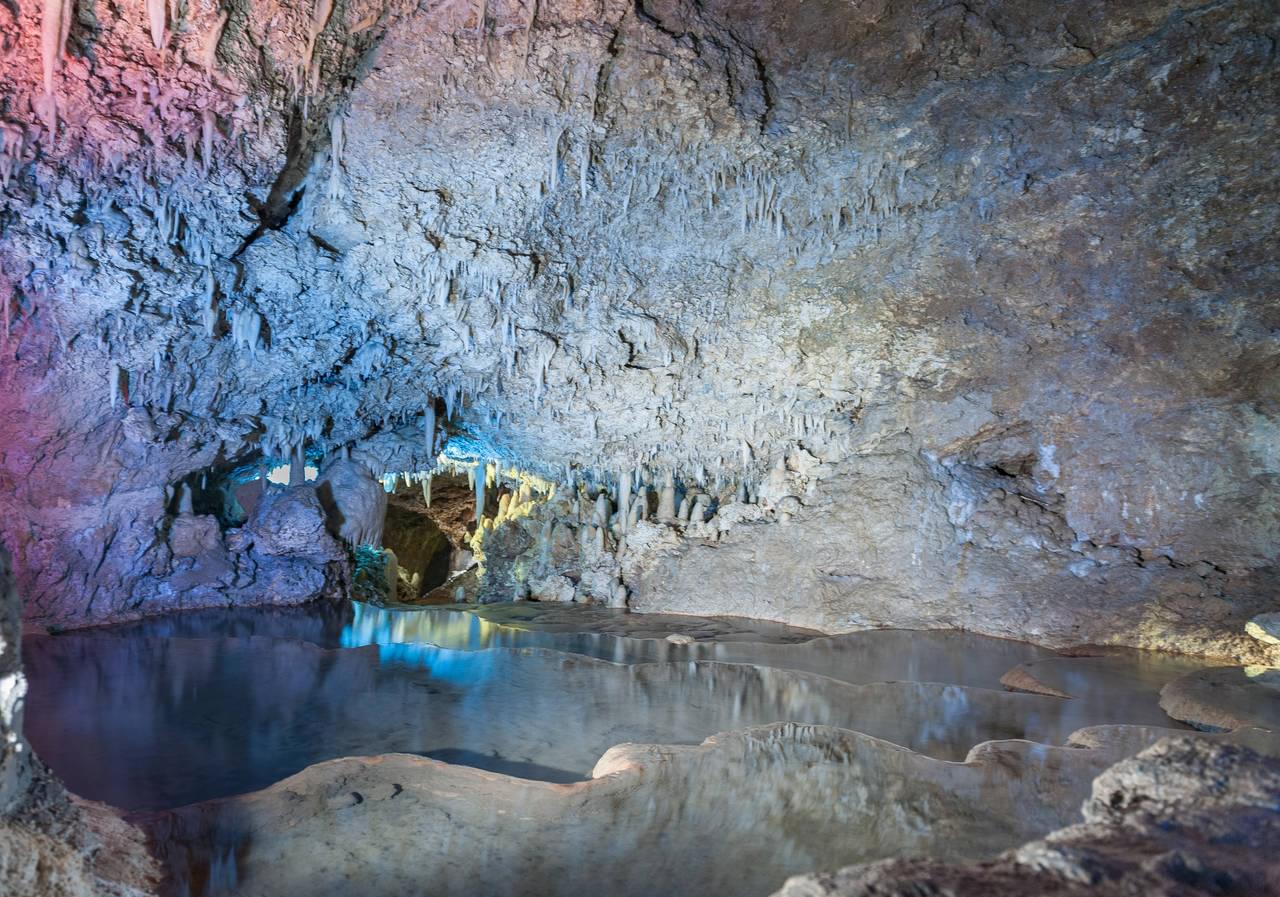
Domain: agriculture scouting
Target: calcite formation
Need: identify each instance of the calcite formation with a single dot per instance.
(913, 314)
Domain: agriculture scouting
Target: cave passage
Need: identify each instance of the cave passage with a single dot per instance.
(650, 448)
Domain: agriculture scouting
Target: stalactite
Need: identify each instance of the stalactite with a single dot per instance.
(209, 53)
(208, 128)
(429, 428)
(553, 182)
(337, 145)
(480, 483)
(624, 500)
(246, 330)
(320, 14)
(116, 383)
(13, 139)
(156, 20)
(55, 27)
(51, 46)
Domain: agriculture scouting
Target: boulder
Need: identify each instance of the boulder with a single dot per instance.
(355, 504)
(292, 522)
(192, 535)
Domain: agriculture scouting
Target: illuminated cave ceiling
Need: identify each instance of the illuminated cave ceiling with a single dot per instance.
(997, 280)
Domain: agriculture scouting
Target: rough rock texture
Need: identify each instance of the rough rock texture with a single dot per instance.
(50, 845)
(955, 315)
(1184, 817)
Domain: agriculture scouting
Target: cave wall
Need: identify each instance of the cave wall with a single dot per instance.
(996, 281)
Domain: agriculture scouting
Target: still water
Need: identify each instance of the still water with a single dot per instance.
(180, 709)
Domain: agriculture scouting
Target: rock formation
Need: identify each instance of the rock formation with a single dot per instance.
(1184, 817)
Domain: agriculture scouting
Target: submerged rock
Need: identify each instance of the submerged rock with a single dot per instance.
(1225, 698)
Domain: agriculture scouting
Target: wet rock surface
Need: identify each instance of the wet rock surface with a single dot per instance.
(738, 792)
(1225, 698)
(1184, 817)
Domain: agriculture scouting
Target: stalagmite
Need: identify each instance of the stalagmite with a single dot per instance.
(624, 500)
(115, 380)
(698, 514)
(602, 513)
(297, 466)
(667, 498)
(186, 504)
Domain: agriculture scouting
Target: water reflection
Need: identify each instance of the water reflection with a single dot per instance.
(171, 711)
(160, 722)
(957, 658)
